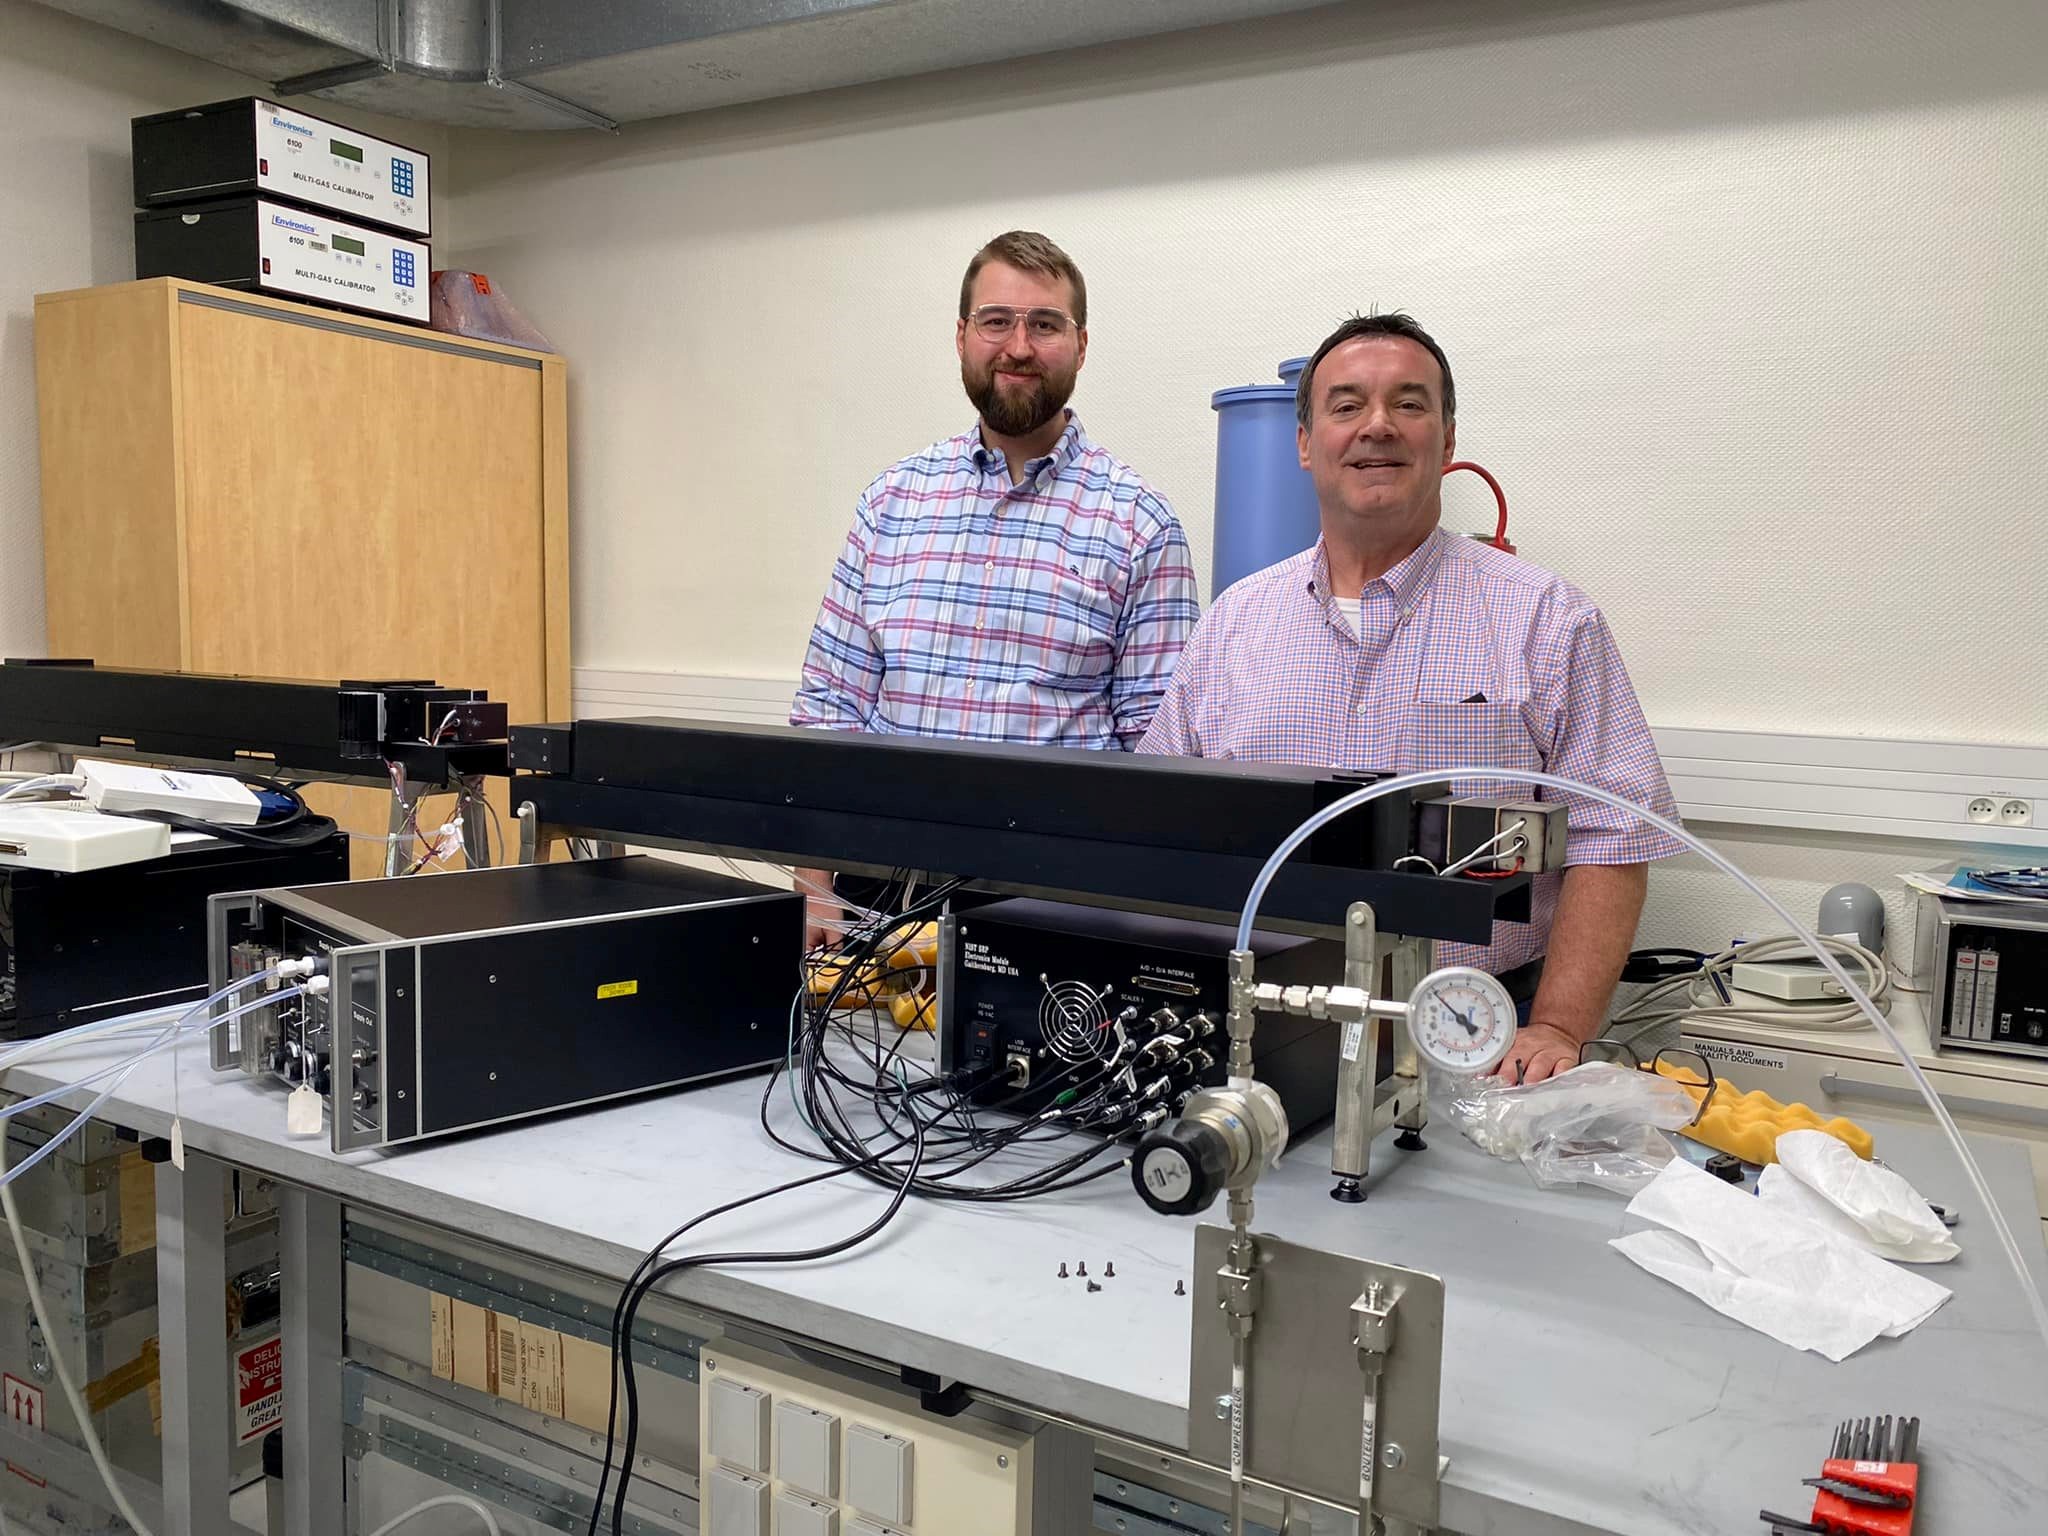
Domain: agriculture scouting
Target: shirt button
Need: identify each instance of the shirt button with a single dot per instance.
(977, 623)
(990, 566)
(1364, 709)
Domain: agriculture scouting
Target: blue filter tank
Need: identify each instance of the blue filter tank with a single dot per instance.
(1265, 501)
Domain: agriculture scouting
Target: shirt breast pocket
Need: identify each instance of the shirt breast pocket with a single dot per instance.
(1078, 646)
(1445, 735)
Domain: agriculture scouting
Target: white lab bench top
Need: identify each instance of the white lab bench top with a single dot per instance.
(1579, 1393)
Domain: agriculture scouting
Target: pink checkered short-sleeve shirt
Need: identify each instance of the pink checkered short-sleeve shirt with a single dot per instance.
(1464, 655)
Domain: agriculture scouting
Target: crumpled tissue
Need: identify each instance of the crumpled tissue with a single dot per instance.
(1777, 1273)
(1817, 1177)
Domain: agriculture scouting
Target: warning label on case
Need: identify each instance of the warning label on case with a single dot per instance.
(259, 1390)
(24, 1402)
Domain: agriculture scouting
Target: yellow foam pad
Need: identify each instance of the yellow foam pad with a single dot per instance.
(908, 968)
(1747, 1125)
(911, 1011)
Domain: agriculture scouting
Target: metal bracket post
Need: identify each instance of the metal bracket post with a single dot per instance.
(405, 799)
(192, 1283)
(533, 839)
(309, 1242)
(1409, 964)
(1237, 1282)
(1237, 1292)
(1365, 1105)
(1373, 1314)
(1358, 1061)
(476, 823)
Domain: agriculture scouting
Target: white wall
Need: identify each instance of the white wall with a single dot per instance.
(1744, 299)
(1744, 302)
(67, 90)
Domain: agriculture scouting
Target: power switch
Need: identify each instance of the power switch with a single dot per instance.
(739, 1425)
(807, 1449)
(878, 1473)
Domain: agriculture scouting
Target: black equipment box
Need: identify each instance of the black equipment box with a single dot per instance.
(1049, 984)
(470, 999)
(1185, 834)
(75, 948)
(1197, 803)
(250, 145)
(343, 729)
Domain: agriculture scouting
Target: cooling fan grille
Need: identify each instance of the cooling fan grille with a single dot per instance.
(1074, 1022)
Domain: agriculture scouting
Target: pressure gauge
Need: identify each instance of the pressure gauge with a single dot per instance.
(1462, 1020)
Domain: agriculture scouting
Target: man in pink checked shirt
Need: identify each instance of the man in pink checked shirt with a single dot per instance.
(1394, 645)
(1015, 583)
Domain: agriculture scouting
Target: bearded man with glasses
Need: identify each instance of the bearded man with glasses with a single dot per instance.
(1016, 583)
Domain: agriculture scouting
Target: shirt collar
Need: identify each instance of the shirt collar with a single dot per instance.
(1406, 582)
(1064, 452)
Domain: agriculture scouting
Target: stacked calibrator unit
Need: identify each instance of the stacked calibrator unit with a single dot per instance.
(247, 194)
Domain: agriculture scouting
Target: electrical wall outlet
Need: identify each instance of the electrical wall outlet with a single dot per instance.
(2016, 813)
(1982, 810)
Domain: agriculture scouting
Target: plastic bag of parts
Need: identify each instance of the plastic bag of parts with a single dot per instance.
(469, 304)
(1597, 1124)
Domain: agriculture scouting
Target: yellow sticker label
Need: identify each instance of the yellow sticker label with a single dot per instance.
(617, 989)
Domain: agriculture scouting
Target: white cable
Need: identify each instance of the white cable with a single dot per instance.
(463, 1499)
(1700, 1001)
(811, 887)
(824, 893)
(1521, 845)
(2036, 1302)
(69, 781)
(140, 1018)
(80, 1411)
(28, 1051)
(99, 1027)
(72, 1396)
(174, 1034)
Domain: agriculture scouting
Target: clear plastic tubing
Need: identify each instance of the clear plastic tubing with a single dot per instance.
(1849, 985)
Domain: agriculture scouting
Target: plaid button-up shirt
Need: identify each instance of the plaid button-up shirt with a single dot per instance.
(1047, 611)
(1466, 656)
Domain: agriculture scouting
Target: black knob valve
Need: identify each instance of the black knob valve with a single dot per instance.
(1181, 1167)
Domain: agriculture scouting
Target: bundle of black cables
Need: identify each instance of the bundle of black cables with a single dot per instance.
(653, 1269)
(295, 827)
(913, 1119)
(1079, 1096)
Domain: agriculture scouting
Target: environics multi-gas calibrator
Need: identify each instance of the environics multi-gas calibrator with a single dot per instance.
(204, 154)
(252, 242)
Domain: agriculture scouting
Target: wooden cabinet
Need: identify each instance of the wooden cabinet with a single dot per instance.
(240, 484)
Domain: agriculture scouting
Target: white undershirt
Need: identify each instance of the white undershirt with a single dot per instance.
(1353, 609)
